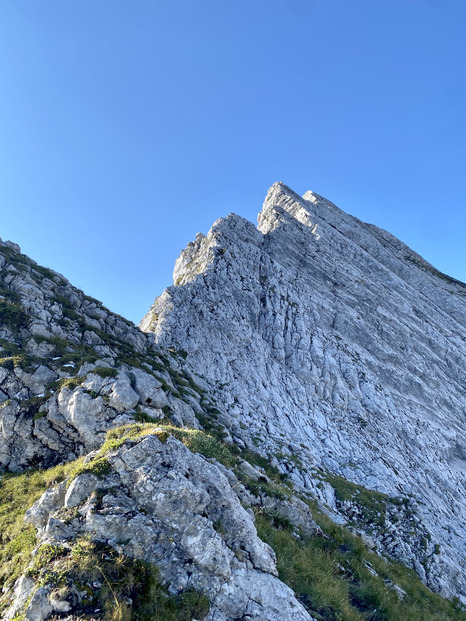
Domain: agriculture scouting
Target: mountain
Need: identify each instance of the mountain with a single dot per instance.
(285, 427)
(336, 351)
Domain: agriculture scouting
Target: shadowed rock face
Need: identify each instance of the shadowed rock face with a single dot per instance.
(332, 345)
(67, 371)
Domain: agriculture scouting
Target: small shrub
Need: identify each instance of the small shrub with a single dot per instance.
(259, 488)
(44, 271)
(31, 407)
(141, 417)
(67, 382)
(44, 556)
(13, 316)
(105, 371)
(99, 466)
(71, 314)
(372, 504)
(278, 520)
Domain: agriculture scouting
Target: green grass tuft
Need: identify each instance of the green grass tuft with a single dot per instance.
(124, 589)
(330, 576)
(105, 372)
(18, 492)
(372, 504)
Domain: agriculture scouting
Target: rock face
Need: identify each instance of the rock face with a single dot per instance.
(313, 357)
(70, 369)
(338, 351)
(163, 504)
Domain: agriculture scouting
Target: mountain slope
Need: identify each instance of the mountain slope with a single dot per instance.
(127, 491)
(338, 352)
(147, 502)
(70, 369)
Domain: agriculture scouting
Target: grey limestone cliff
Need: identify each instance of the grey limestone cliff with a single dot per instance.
(290, 416)
(338, 352)
(70, 371)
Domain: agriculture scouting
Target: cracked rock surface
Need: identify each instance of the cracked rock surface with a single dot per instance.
(163, 504)
(70, 369)
(334, 347)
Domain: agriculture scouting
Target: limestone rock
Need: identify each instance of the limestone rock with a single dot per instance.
(329, 335)
(179, 511)
(66, 376)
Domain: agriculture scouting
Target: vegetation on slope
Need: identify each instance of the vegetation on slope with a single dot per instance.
(337, 578)
(121, 588)
(18, 492)
(334, 575)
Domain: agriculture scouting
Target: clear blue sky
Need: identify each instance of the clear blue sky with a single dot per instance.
(128, 126)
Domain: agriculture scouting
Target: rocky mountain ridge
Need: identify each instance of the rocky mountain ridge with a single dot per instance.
(335, 350)
(70, 370)
(191, 475)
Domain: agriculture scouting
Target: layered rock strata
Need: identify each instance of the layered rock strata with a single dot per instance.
(337, 350)
(70, 370)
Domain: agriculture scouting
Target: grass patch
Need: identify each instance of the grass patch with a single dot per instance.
(70, 313)
(372, 504)
(31, 407)
(18, 358)
(10, 296)
(258, 460)
(99, 466)
(262, 488)
(179, 353)
(18, 492)
(12, 315)
(141, 417)
(44, 271)
(105, 372)
(124, 589)
(196, 441)
(330, 576)
(9, 349)
(69, 352)
(67, 382)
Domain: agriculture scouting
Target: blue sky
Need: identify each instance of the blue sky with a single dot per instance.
(127, 127)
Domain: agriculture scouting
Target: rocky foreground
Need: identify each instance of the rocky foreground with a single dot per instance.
(288, 425)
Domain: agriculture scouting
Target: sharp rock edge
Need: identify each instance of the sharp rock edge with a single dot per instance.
(336, 348)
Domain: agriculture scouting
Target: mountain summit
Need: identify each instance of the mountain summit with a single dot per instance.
(337, 351)
(283, 439)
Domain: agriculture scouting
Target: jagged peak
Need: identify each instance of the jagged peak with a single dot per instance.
(321, 201)
(282, 200)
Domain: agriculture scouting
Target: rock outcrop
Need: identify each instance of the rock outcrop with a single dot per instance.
(312, 364)
(339, 352)
(163, 504)
(70, 370)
